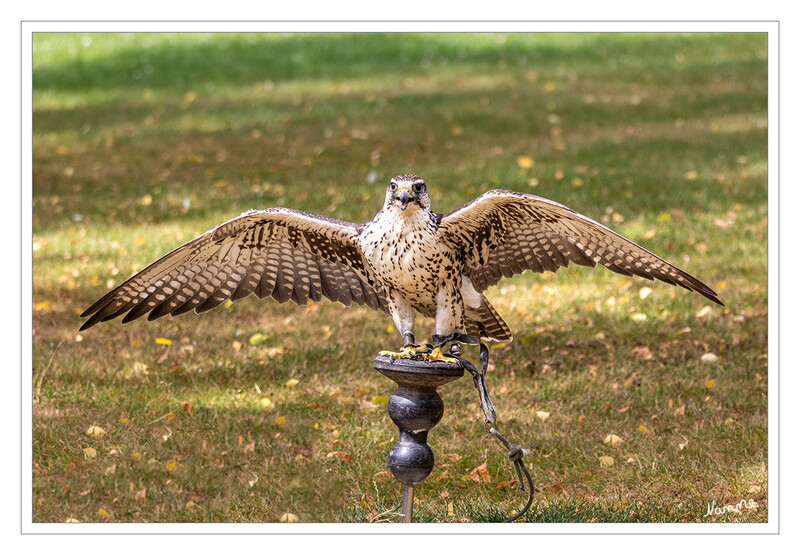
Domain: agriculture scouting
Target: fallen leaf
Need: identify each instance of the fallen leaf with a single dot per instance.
(95, 431)
(606, 461)
(380, 401)
(103, 513)
(638, 317)
(141, 494)
(382, 476)
(272, 352)
(292, 382)
(710, 383)
(90, 452)
(163, 341)
(186, 406)
(709, 358)
(344, 456)
(542, 415)
(643, 352)
(703, 311)
(525, 162)
(613, 440)
(289, 517)
(481, 473)
(644, 429)
(258, 338)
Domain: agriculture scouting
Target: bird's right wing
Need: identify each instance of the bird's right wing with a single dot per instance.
(280, 253)
(502, 233)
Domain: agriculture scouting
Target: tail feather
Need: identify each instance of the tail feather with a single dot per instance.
(486, 323)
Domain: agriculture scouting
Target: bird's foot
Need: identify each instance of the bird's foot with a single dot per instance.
(436, 355)
(410, 350)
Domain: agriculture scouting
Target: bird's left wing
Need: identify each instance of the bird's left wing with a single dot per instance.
(502, 233)
(282, 253)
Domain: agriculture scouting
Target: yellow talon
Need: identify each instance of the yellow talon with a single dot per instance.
(437, 356)
(407, 351)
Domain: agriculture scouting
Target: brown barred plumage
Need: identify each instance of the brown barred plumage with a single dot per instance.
(407, 258)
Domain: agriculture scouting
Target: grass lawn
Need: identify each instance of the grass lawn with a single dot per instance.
(257, 411)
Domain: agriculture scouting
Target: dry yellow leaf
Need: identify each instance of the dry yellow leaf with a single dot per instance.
(163, 341)
(709, 358)
(703, 311)
(380, 401)
(606, 461)
(257, 339)
(90, 452)
(710, 383)
(289, 517)
(644, 429)
(280, 420)
(103, 513)
(95, 431)
(525, 162)
(542, 415)
(171, 466)
(613, 440)
(292, 382)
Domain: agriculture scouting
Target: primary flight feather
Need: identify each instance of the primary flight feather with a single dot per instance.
(406, 259)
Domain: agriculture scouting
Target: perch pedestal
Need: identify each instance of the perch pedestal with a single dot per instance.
(415, 407)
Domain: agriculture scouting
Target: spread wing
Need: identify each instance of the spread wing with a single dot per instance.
(502, 233)
(280, 253)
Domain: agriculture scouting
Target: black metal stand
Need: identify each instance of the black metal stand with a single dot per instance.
(415, 407)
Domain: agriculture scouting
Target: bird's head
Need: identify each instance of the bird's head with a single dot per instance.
(407, 191)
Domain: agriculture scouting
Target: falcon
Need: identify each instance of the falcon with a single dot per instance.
(407, 259)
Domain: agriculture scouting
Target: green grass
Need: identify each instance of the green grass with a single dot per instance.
(143, 141)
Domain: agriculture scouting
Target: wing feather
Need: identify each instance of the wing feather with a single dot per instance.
(280, 253)
(502, 233)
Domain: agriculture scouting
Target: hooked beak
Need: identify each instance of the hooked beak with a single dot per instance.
(405, 197)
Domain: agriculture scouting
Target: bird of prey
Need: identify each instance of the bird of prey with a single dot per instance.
(407, 259)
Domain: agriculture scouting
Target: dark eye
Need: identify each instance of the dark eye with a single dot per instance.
(417, 187)
(393, 186)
